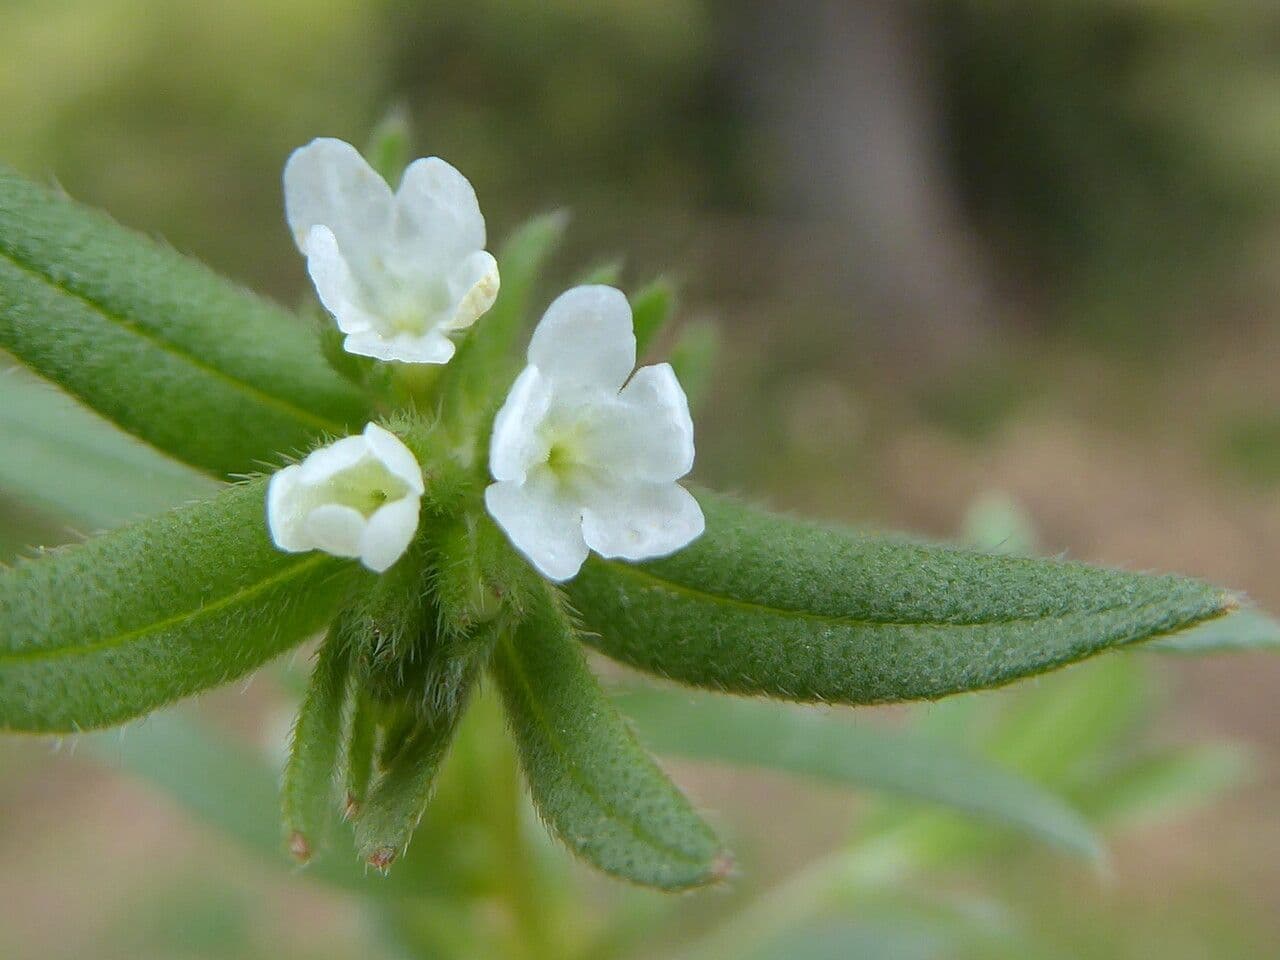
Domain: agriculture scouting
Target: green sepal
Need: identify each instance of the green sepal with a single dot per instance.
(761, 604)
(307, 789)
(595, 786)
(95, 633)
(152, 340)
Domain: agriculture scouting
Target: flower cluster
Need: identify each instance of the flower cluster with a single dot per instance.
(586, 452)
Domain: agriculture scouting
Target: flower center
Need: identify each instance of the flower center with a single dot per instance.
(364, 487)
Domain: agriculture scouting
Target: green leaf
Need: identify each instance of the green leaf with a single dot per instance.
(306, 793)
(693, 357)
(98, 632)
(152, 340)
(1240, 631)
(362, 740)
(486, 362)
(592, 782)
(606, 272)
(64, 459)
(390, 814)
(390, 143)
(651, 310)
(828, 747)
(216, 780)
(765, 605)
(1158, 787)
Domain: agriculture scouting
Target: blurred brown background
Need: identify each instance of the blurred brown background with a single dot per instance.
(952, 248)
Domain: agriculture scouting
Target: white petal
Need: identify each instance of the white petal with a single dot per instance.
(437, 216)
(284, 515)
(388, 533)
(335, 529)
(585, 340)
(640, 521)
(328, 183)
(322, 464)
(516, 444)
(647, 433)
(430, 347)
(335, 282)
(395, 456)
(542, 526)
(474, 287)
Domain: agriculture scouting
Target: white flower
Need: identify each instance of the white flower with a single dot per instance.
(355, 498)
(584, 458)
(399, 272)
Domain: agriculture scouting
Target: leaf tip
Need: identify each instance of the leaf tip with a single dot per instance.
(723, 867)
(351, 807)
(381, 858)
(299, 847)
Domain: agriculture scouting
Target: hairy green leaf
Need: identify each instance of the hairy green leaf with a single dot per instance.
(152, 340)
(592, 782)
(828, 747)
(651, 310)
(765, 605)
(64, 459)
(306, 792)
(1240, 631)
(98, 632)
(386, 821)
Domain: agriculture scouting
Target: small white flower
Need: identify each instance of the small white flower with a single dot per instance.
(358, 497)
(584, 458)
(399, 272)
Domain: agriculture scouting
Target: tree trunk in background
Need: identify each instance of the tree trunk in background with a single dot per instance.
(842, 91)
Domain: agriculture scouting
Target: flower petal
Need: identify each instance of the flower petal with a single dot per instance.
(328, 183)
(437, 216)
(647, 433)
(585, 341)
(543, 526)
(388, 533)
(284, 515)
(640, 521)
(394, 455)
(516, 443)
(474, 286)
(430, 347)
(322, 464)
(335, 283)
(335, 529)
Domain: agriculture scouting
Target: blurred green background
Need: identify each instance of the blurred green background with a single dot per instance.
(958, 252)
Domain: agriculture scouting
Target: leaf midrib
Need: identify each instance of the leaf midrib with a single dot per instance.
(281, 404)
(643, 836)
(137, 633)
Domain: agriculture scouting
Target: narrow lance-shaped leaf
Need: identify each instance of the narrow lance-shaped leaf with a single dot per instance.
(592, 782)
(478, 376)
(765, 605)
(1237, 632)
(387, 818)
(651, 310)
(62, 458)
(828, 747)
(96, 633)
(307, 791)
(152, 340)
